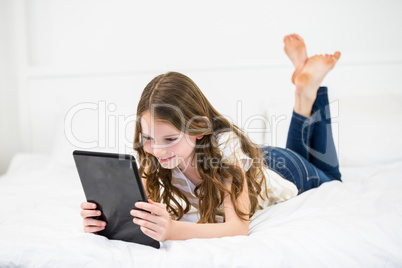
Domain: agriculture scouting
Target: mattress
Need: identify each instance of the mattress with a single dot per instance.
(355, 223)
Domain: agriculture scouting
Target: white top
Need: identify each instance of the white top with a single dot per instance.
(278, 188)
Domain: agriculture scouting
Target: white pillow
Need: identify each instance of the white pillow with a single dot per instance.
(369, 129)
(83, 127)
(366, 128)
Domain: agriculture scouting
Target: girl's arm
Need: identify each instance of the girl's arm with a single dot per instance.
(232, 226)
(160, 226)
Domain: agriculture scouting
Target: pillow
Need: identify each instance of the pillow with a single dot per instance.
(366, 128)
(85, 126)
(369, 127)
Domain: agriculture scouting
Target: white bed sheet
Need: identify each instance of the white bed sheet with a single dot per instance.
(356, 223)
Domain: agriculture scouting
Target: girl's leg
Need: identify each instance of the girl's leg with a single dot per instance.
(323, 152)
(311, 137)
(294, 167)
(310, 157)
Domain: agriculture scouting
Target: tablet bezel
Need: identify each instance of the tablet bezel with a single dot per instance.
(140, 237)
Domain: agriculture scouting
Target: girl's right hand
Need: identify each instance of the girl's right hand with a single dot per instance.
(89, 211)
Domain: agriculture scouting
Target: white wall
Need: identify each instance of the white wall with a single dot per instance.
(10, 138)
(153, 35)
(94, 49)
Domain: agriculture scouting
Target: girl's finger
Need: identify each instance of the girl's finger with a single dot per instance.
(93, 229)
(161, 205)
(144, 206)
(149, 232)
(88, 222)
(90, 213)
(88, 205)
(146, 224)
(144, 215)
(152, 208)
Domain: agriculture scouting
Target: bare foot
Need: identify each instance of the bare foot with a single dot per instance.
(309, 80)
(296, 51)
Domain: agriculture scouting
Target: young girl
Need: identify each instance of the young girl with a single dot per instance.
(191, 156)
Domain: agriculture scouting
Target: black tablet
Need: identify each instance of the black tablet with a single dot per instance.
(113, 183)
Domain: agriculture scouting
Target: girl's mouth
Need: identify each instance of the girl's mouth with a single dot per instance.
(166, 159)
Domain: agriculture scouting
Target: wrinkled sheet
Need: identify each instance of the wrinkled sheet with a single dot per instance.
(356, 223)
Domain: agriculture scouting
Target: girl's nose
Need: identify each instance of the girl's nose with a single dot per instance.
(158, 150)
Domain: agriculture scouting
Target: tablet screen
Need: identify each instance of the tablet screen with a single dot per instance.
(112, 182)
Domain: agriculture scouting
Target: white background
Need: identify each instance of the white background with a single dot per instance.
(62, 52)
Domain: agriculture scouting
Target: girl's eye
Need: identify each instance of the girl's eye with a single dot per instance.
(170, 139)
(146, 138)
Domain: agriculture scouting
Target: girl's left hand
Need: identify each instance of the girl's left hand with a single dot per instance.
(157, 224)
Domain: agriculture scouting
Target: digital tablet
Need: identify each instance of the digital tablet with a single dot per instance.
(113, 183)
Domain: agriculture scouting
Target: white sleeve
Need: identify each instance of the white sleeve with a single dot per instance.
(230, 146)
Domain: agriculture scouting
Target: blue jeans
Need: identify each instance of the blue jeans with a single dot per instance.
(310, 157)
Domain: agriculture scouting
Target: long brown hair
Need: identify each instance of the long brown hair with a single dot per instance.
(176, 99)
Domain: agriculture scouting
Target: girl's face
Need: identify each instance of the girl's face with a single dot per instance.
(169, 145)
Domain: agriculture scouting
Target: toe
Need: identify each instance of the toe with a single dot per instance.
(298, 37)
(337, 55)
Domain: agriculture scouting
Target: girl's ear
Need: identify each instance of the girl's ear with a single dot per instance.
(207, 123)
(202, 136)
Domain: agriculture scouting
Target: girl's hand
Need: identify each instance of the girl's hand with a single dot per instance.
(157, 224)
(87, 213)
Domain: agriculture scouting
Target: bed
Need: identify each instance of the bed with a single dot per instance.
(356, 223)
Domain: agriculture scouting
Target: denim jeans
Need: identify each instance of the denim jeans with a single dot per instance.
(310, 157)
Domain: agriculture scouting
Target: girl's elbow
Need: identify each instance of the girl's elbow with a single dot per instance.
(241, 228)
(244, 231)
(245, 227)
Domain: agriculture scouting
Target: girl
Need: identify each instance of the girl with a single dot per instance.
(191, 156)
